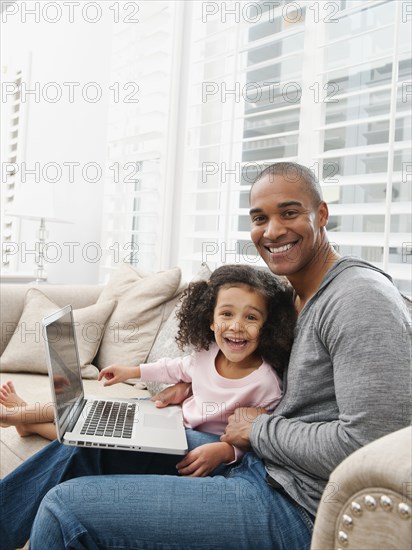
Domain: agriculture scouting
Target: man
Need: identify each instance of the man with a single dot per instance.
(347, 383)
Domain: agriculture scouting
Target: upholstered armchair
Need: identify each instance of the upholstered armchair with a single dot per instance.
(368, 502)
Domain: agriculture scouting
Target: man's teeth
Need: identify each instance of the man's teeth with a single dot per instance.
(283, 248)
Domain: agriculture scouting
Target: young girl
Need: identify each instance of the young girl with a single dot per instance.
(240, 324)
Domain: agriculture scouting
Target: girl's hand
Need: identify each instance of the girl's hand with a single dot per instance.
(173, 395)
(204, 459)
(118, 373)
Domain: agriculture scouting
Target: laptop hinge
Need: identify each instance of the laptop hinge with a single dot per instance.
(75, 414)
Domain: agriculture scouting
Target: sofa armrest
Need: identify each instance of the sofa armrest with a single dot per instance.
(367, 503)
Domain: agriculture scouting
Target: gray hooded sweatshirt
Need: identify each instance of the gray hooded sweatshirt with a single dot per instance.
(348, 380)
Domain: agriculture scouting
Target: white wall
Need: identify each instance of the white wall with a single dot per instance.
(65, 51)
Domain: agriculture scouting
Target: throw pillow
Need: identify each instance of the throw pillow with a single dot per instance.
(135, 321)
(165, 344)
(25, 351)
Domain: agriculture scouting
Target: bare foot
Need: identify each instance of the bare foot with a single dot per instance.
(18, 419)
(9, 396)
(23, 431)
(9, 399)
(3, 416)
(27, 419)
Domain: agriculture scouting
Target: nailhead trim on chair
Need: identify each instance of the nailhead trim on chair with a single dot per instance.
(386, 503)
(370, 504)
(356, 509)
(404, 510)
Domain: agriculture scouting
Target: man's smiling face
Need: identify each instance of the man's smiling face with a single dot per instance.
(286, 224)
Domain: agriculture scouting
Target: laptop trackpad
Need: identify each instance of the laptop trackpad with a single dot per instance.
(159, 421)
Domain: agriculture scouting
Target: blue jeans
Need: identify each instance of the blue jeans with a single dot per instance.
(22, 491)
(237, 509)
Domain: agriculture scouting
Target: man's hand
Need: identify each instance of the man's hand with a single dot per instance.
(173, 395)
(239, 424)
(204, 459)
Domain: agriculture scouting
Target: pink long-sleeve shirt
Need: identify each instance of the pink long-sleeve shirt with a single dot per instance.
(215, 397)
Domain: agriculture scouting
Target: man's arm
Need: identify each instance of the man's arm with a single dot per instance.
(370, 353)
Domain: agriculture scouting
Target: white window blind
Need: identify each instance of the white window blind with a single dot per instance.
(244, 112)
(138, 183)
(338, 103)
(13, 140)
(366, 135)
(222, 95)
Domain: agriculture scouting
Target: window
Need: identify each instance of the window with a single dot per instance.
(366, 135)
(14, 117)
(325, 84)
(209, 93)
(138, 187)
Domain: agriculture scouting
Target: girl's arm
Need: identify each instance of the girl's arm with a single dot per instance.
(118, 373)
(169, 370)
(164, 370)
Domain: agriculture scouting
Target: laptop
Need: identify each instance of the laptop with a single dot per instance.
(126, 424)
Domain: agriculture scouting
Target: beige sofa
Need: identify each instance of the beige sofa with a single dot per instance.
(367, 503)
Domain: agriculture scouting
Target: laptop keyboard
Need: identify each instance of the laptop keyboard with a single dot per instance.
(110, 419)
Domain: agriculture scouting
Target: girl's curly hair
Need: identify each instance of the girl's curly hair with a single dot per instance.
(199, 300)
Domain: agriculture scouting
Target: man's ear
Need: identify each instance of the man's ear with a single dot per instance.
(323, 213)
(212, 327)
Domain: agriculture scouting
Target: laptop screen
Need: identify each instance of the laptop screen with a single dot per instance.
(64, 365)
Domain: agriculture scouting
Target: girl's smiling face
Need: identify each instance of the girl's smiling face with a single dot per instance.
(239, 315)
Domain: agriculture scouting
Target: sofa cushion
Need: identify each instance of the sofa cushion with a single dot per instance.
(12, 302)
(134, 324)
(165, 344)
(25, 351)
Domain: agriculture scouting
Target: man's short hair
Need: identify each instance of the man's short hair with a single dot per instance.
(293, 172)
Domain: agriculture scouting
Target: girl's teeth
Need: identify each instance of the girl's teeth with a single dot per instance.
(236, 344)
